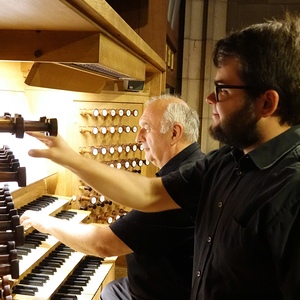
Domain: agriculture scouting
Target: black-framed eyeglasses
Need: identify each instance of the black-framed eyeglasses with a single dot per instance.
(219, 87)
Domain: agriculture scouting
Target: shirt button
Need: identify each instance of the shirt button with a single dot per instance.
(209, 239)
(198, 273)
(239, 172)
(220, 204)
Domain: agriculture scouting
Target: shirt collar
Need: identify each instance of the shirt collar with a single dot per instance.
(175, 161)
(267, 154)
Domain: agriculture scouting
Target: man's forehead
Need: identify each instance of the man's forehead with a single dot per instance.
(143, 122)
(228, 72)
(149, 120)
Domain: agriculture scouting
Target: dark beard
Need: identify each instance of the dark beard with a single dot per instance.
(238, 130)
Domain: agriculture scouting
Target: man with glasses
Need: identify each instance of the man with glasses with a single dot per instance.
(245, 196)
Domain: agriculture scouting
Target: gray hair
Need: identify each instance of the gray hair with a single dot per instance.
(179, 113)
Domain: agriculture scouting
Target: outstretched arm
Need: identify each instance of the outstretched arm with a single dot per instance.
(91, 239)
(123, 187)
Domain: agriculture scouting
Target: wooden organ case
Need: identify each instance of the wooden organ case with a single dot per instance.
(99, 120)
(105, 130)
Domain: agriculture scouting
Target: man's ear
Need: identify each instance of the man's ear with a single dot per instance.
(268, 103)
(177, 132)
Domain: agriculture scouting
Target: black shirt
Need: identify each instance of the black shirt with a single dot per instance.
(160, 268)
(247, 234)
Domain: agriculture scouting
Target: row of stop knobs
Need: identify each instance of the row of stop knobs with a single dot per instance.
(108, 129)
(95, 112)
(93, 201)
(111, 149)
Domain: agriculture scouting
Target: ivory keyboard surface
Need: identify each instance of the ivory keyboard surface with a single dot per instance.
(47, 204)
(39, 247)
(90, 290)
(54, 281)
(100, 274)
(35, 255)
(53, 287)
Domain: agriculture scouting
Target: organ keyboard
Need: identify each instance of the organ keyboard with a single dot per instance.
(48, 268)
(63, 275)
(88, 289)
(39, 244)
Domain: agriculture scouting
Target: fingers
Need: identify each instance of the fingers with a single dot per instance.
(25, 219)
(58, 150)
(48, 140)
(38, 153)
(37, 220)
(35, 134)
(26, 215)
(32, 218)
(26, 224)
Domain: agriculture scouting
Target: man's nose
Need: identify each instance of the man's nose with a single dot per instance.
(139, 137)
(211, 98)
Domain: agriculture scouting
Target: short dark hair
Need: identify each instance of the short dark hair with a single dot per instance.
(269, 58)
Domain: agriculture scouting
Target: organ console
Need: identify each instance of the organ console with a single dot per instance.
(32, 264)
(50, 269)
(47, 269)
(40, 266)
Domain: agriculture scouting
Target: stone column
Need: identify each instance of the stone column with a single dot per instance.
(205, 23)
